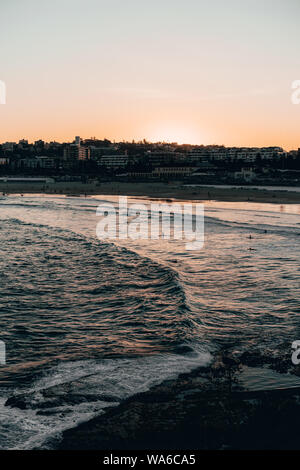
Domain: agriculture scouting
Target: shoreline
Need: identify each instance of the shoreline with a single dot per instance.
(202, 409)
(206, 409)
(158, 191)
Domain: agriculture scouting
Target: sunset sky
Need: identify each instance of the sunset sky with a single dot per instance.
(193, 71)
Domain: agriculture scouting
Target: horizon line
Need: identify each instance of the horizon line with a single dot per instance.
(145, 142)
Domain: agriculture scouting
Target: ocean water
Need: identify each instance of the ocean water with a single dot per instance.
(88, 323)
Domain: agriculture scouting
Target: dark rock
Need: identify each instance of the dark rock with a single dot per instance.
(17, 402)
(253, 359)
(198, 410)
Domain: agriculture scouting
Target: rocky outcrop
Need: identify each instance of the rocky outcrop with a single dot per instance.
(205, 409)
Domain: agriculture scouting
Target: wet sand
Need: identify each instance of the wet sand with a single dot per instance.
(158, 190)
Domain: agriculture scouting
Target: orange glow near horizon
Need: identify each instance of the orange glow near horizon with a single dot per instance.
(53, 114)
(179, 133)
(157, 132)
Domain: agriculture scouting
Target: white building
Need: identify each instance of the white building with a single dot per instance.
(114, 161)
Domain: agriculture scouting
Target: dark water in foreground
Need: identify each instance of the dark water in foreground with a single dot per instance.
(120, 317)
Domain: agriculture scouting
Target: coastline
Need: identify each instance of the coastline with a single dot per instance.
(198, 409)
(158, 191)
(205, 409)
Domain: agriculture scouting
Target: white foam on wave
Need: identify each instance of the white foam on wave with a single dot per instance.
(117, 378)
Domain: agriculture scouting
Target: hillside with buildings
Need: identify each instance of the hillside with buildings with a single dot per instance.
(145, 161)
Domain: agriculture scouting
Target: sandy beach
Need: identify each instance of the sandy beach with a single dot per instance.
(158, 190)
